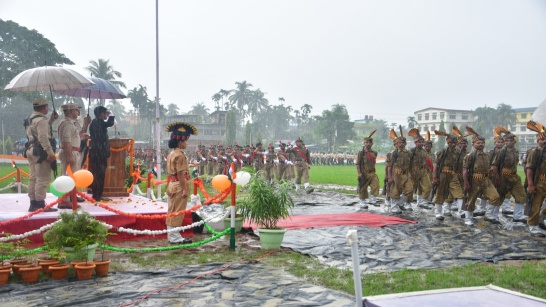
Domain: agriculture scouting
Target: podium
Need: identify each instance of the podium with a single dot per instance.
(114, 181)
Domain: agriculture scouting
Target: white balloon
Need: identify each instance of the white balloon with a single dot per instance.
(242, 178)
(64, 184)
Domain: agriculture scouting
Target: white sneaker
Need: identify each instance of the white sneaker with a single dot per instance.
(395, 209)
(362, 204)
(407, 207)
(468, 218)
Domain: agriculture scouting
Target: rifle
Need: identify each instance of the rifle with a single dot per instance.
(438, 171)
(470, 175)
(531, 196)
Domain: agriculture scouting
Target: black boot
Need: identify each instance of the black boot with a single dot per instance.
(40, 204)
(33, 207)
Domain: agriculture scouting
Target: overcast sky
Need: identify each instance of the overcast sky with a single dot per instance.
(386, 58)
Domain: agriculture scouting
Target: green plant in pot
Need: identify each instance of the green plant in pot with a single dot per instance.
(78, 233)
(264, 205)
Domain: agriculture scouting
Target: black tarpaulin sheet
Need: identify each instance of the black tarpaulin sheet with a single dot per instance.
(250, 284)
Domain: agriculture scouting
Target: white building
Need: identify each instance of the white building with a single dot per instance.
(429, 119)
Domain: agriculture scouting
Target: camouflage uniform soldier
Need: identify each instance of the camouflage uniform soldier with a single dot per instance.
(507, 180)
(399, 179)
(535, 170)
(419, 169)
(365, 168)
(476, 168)
(302, 165)
(444, 176)
(39, 135)
(270, 159)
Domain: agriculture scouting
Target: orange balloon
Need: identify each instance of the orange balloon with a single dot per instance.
(83, 178)
(221, 182)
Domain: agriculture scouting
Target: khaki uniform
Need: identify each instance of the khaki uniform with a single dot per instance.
(301, 163)
(431, 157)
(221, 165)
(366, 160)
(510, 181)
(40, 173)
(177, 162)
(420, 172)
(212, 160)
(458, 168)
(270, 168)
(540, 183)
(258, 160)
(284, 169)
(69, 132)
(403, 185)
(448, 182)
(201, 158)
(481, 184)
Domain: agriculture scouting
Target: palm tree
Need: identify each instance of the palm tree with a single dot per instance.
(224, 94)
(257, 103)
(298, 118)
(412, 122)
(281, 99)
(216, 97)
(102, 69)
(505, 115)
(306, 109)
(241, 97)
(484, 119)
(200, 109)
(172, 109)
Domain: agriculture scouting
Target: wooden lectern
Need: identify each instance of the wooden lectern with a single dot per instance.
(114, 181)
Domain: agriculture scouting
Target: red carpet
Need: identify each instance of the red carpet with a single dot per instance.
(342, 219)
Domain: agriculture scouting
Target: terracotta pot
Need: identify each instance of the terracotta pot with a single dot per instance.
(18, 261)
(45, 264)
(77, 262)
(17, 267)
(4, 275)
(30, 274)
(102, 267)
(6, 266)
(84, 271)
(58, 271)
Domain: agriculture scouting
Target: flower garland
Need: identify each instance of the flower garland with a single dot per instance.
(28, 233)
(148, 216)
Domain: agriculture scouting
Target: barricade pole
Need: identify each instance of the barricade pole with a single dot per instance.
(74, 199)
(232, 207)
(352, 240)
(18, 181)
(148, 186)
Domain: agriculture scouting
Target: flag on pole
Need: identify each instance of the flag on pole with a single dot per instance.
(13, 163)
(231, 173)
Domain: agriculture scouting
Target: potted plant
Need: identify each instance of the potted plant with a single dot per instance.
(6, 248)
(31, 271)
(264, 205)
(60, 270)
(76, 232)
(102, 266)
(51, 259)
(18, 254)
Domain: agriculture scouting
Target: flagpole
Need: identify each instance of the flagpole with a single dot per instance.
(157, 128)
(3, 141)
